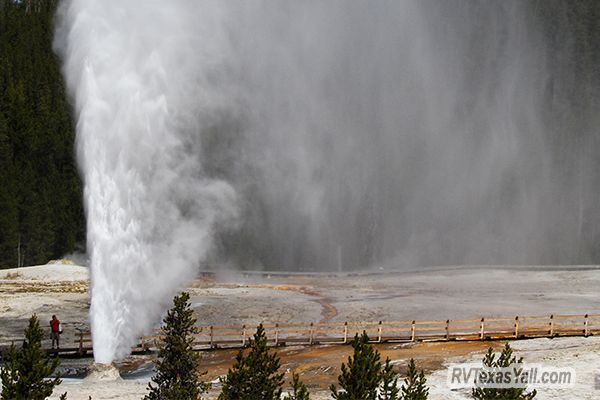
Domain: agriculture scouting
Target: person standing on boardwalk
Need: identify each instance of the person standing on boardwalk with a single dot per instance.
(55, 331)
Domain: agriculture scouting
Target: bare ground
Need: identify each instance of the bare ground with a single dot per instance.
(467, 292)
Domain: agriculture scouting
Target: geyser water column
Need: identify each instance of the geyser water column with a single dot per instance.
(144, 76)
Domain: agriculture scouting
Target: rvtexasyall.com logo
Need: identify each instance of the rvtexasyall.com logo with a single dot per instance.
(474, 375)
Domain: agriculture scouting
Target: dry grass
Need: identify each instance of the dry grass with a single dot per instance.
(12, 276)
(44, 287)
(65, 261)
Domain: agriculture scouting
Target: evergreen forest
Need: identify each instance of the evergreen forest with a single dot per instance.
(41, 211)
(41, 201)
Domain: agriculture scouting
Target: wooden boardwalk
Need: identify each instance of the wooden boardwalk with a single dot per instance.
(495, 328)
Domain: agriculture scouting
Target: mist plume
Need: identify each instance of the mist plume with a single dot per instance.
(315, 135)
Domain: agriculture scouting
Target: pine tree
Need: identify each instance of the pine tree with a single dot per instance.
(361, 376)
(389, 383)
(505, 360)
(25, 372)
(253, 376)
(177, 375)
(40, 190)
(414, 387)
(299, 390)
(9, 217)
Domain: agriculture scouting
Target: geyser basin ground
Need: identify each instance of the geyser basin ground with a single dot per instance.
(428, 293)
(102, 373)
(451, 292)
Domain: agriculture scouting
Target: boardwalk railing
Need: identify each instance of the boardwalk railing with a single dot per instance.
(79, 342)
(238, 336)
(519, 327)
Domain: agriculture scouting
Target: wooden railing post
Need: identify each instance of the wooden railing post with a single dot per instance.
(243, 335)
(481, 329)
(447, 329)
(311, 333)
(80, 342)
(516, 327)
(379, 331)
(585, 326)
(276, 334)
(413, 331)
(345, 332)
(552, 325)
(211, 337)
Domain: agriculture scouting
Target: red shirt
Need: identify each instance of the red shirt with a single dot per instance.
(54, 323)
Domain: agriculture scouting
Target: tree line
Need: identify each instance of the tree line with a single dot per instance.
(41, 207)
(41, 212)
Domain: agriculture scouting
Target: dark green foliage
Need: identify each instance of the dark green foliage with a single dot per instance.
(414, 387)
(361, 376)
(299, 390)
(506, 359)
(253, 376)
(389, 383)
(25, 370)
(40, 191)
(177, 375)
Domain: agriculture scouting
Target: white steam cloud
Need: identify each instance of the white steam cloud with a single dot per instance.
(144, 78)
(330, 134)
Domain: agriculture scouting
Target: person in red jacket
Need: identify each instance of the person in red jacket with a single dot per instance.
(55, 333)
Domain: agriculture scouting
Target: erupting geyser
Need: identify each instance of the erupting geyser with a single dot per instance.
(321, 135)
(141, 98)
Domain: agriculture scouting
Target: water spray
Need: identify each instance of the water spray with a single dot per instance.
(142, 100)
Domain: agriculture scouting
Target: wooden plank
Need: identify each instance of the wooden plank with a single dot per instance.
(499, 319)
(432, 322)
(573, 316)
(538, 318)
(441, 329)
(464, 326)
(459, 321)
